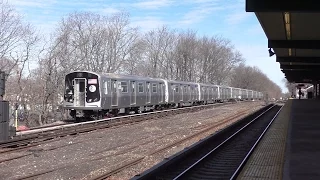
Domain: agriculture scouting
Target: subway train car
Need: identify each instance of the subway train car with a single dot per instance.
(236, 93)
(209, 93)
(95, 95)
(181, 93)
(89, 94)
(244, 94)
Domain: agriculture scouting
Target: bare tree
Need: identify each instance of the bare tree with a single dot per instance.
(247, 77)
(94, 42)
(18, 42)
(16, 38)
(160, 44)
(185, 56)
(135, 64)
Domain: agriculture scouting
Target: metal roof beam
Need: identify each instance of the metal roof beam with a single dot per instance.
(282, 6)
(297, 78)
(304, 72)
(298, 44)
(309, 76)
(299, 59)
(300, 67)
(301, 80)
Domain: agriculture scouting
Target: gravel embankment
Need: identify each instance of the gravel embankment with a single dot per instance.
(88, 155)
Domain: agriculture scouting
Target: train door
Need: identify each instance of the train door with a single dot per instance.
(148, 92)
(173, 87)
(190, 93)
(203, 93)
(133, 92)
(114, 93)
(79, 91)
(223, 93)
(161, 92)
(181, 93)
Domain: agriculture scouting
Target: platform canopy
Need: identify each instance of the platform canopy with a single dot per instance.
(293, 31)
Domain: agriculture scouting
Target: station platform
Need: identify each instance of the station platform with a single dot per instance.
(290, 149)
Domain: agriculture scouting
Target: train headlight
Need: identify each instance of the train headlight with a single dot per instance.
(92, 88)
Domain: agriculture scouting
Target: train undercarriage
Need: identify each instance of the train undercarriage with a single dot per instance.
(85, 115)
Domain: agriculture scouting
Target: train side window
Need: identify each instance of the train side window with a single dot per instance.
(124, 87)
(140, 87)
(105, 87)
(154, 88)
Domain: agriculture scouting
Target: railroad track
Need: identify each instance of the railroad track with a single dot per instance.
(68, 123)
(200, 129)
(40, 136)
(220, 156)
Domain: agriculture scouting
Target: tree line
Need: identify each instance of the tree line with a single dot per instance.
(99, 43)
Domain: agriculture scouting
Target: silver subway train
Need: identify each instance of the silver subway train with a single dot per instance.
(93, 95)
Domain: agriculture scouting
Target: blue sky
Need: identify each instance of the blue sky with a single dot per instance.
(226, 18)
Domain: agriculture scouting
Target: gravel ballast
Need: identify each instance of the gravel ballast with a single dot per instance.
(88, 155)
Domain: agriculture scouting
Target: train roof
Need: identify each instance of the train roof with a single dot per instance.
(112, 75)
(135, 77)
(121, 76)
(180, 82)
(204, 84)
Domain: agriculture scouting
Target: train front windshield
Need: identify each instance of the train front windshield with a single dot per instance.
(68, 96)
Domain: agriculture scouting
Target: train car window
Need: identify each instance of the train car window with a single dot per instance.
(124, 87)
(154, 87)
(105, 87)
(140, 87)
(176, 89)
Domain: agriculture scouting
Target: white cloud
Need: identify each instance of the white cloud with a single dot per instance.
(32, 3)
(110, 10)
(200, 1)
(103, 11)
(237, 18)
(152, 4)
(237, 13)
(147, 23)
(200, 12)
